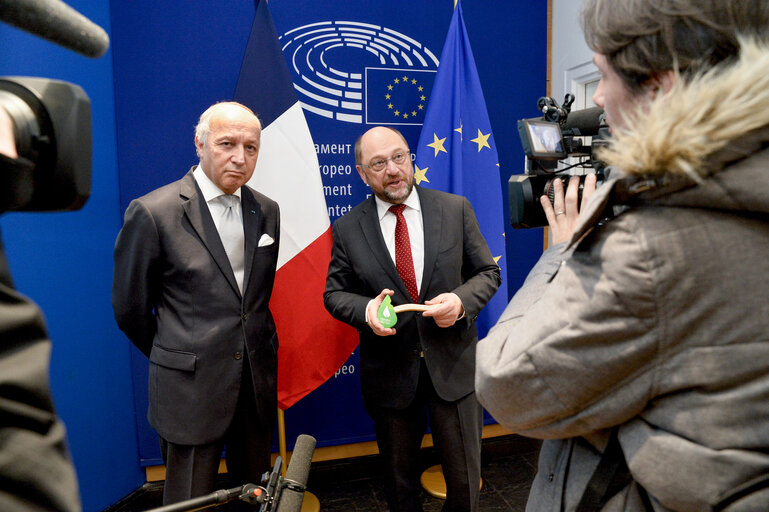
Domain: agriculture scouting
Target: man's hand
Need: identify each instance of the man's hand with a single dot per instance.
(563, 214)
(447, 309)
(373, 319)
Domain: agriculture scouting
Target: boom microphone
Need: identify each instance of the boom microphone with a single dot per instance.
(57, 22)
(295, 480)
(583, 122)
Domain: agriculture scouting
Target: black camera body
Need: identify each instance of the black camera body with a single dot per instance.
(50, 119)
(547, 141)
(52, 129)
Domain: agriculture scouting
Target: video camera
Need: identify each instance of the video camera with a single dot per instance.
(51, 119)
(547, 141)
(52, 129)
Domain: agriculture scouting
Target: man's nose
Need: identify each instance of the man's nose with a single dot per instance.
(391, 167)
(239, 154)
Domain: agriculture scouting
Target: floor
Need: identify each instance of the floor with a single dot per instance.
(508, 464)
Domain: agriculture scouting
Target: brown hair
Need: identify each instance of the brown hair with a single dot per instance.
(642, 38)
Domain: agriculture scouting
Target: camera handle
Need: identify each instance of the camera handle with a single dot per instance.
(552, 112)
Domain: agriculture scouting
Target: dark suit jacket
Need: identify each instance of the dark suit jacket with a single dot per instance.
(175, 296)
(456, 259)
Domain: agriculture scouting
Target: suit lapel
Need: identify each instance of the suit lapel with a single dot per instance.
(372, 231)
(432, 220)
(198, 214)
(252, 219)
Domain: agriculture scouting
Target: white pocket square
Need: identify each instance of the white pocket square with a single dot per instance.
(265, 241)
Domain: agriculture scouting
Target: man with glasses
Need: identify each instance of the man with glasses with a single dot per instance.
(415, 245)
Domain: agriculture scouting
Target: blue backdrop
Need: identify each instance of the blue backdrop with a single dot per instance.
(167, 63)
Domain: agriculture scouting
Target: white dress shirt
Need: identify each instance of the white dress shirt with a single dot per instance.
(211, 192)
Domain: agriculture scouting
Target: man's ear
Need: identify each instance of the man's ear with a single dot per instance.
(362, 174)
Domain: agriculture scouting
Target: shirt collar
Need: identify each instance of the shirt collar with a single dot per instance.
(412, 201)
(209, 189)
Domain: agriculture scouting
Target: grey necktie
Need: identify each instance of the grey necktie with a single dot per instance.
(231, 233)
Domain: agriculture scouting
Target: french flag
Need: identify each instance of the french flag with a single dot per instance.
(313, 345)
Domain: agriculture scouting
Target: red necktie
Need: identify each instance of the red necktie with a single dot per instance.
(403, 261)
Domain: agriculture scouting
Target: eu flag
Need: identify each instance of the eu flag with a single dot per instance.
(397, 96)
(456, 151)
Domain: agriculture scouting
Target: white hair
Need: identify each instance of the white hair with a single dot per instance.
(203, 128)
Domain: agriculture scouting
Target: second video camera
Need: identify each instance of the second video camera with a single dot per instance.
(547, 142)
(51, 123)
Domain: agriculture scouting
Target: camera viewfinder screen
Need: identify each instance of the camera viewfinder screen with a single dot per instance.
(545, 140)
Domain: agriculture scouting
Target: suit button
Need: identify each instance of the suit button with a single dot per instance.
(550, 477)
(245, 316)
(238, 356)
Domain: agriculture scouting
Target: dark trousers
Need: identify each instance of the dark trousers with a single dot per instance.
(191, 470)
(456, 428)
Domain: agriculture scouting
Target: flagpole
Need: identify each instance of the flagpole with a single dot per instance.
(432, 478)
(456, 60)
(265, 85)
(282, 439)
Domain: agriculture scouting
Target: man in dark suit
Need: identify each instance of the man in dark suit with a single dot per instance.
(191, 292)
(428, 360)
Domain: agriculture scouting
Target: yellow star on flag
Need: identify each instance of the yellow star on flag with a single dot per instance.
(459, 130)
(420, 175)
(437, 144)
(496, 258)
(482, 140)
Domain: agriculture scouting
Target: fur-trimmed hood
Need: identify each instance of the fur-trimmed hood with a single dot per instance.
(704, 144)
(699, 126)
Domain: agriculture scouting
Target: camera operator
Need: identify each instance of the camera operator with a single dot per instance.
(638, 345)
(36, 472)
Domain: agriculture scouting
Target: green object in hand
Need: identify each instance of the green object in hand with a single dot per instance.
(386, 313)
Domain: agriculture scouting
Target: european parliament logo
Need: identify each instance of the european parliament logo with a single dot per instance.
(360, 72)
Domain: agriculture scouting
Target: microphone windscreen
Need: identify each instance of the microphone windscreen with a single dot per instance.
(587, 121)
(57, 22)
(298, 470)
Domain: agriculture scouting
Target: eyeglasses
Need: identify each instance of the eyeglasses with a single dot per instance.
(379, 165)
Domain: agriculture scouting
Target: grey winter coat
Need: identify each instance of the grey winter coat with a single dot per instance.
(656, 321)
